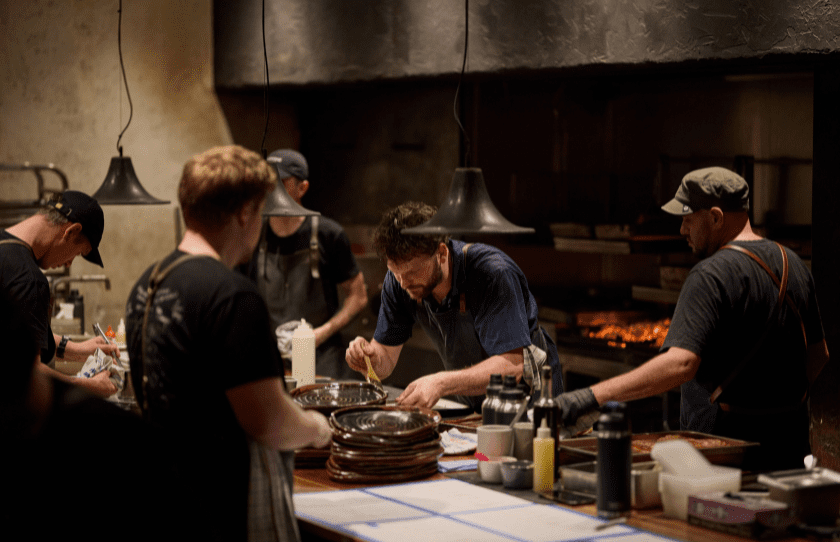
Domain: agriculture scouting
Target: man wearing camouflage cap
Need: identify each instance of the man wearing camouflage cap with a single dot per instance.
(746, 340)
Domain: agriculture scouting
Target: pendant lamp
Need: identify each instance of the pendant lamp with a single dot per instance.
(121, 185)
(468, 208)
(279, 202)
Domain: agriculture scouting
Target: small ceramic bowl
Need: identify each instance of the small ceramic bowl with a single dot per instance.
(490, 471)
(518, 474)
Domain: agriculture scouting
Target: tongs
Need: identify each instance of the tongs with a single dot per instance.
(371, 376)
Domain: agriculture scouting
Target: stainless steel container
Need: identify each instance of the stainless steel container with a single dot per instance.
(812, 494)
(644, 481)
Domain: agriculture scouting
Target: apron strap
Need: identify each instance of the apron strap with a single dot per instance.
(18, 242)
(314, 256)
(782, 298)
(462, 305)
(155, 279)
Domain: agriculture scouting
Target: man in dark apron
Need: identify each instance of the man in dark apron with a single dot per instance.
(299, 266)
(472, 301)
(746, 340)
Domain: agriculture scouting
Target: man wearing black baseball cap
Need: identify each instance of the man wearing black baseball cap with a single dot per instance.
(69, 225)
(301, 264)
(746, 339)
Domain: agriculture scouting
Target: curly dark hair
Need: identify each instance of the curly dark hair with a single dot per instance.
(396, 247)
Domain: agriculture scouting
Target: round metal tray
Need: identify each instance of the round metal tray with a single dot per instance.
(329, 397)
(394, 422)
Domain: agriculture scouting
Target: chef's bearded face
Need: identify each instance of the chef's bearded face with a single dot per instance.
(418, 276)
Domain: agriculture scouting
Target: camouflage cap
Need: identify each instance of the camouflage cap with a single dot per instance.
(710, 187)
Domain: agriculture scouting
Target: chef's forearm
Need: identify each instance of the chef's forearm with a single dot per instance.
(354, 302)
(658, 375)
(473, 380)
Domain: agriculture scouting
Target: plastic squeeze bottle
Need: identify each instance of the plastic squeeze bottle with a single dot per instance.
(544, 459)
(303, 354)
(121, 332)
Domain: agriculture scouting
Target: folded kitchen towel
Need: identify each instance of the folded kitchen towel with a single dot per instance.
(453, 466)
(457, 443)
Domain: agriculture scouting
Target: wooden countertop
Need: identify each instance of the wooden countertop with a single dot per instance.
(653, 520)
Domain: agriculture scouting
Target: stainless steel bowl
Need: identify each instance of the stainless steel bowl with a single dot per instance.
(518, 474)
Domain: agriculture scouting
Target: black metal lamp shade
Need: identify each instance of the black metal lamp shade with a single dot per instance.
(467, 210)
(121, 186)
(280, 203)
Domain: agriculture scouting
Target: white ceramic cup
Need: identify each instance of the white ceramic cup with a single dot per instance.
(494, 439)
(523, 440)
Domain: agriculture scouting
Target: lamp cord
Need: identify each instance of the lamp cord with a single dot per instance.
(125, 80)
(265, 89)
(460, 80)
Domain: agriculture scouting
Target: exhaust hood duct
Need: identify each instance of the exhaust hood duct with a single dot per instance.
(467, 210)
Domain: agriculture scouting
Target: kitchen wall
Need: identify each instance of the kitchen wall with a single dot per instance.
(62, 102)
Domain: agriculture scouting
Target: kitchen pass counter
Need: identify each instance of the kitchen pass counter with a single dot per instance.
(452, 509)
(449, 507)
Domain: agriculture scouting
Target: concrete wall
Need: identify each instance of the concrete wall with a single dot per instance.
(331, 41)
(61, 101)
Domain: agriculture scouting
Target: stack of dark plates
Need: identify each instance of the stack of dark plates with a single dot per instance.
(327, 398)
(383, 444)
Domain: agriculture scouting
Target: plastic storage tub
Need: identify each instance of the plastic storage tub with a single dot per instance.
(675, 488)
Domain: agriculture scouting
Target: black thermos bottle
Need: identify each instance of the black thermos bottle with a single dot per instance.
(614, 461)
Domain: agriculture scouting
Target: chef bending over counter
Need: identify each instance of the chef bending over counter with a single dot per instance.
(472, 301)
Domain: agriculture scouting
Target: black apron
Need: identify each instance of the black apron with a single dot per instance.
(456, 340)
(292, 287)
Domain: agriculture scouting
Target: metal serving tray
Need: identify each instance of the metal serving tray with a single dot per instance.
(729, 453)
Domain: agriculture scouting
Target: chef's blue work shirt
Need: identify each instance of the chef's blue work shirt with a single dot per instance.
(496, 294)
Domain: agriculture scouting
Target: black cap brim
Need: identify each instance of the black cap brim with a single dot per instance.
(94, 257)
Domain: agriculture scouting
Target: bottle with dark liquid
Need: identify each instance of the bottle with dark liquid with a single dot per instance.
(547, 408)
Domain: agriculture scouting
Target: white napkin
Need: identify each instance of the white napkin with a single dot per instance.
(457, 443)
(99, 362)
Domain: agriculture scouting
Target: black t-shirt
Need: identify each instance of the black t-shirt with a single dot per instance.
(337, 263)
(29, 289)
(92, 472)
(724, 307)
(208, 332)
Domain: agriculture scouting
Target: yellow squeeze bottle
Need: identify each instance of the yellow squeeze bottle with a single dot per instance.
(544, 459)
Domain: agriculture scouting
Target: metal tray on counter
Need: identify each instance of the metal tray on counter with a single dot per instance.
(721, 450)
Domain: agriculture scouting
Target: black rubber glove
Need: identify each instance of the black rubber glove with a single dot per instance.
(578, 411)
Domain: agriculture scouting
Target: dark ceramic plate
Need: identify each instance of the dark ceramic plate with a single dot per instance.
(350, 447)
(410, 472)
(392, 422)
(331, 396)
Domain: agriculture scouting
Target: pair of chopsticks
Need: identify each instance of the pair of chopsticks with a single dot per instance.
(371, 375)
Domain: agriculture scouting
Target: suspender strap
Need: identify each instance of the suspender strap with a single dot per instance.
(782, 298)
(155, 279)
(314, 257)
(782, 284)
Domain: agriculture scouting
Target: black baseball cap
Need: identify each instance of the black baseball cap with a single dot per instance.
(710, 187)
(289, 163)
(79, 207)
